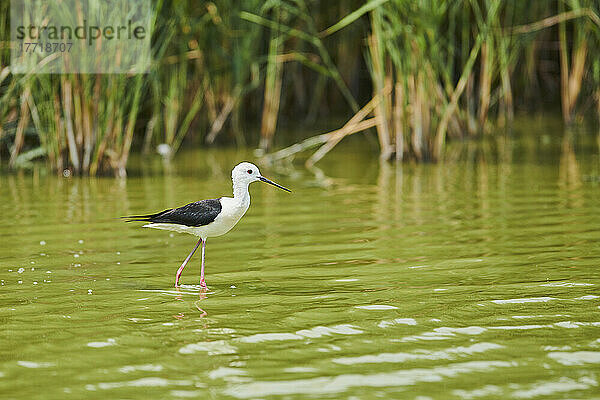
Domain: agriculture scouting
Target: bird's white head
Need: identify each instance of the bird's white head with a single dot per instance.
(245, 173)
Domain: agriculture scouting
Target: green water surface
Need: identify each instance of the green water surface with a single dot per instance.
(476, 278)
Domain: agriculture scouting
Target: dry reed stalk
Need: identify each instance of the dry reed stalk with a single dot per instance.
(356, 124)
(352, 126)
(68, 110)
(211, 102)
(219, 121)
(272, 97)
(417, 121)
(469, 112)
(336, 136)
(272, 93)
(149, 133)
(380, 87)
(507, 96)
(58, 129)
(557, 19)
(88, 135)
(103, 147)
(21, 126)
(440, 135)
(578, 59)
(383, 132)
(77, 113)
(314, 141)
(564, 69)
(388, 103)
(485, 83)
(425, 97)
(570, 77)
(398, 120)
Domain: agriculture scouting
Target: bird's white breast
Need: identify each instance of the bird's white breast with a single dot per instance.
(231, 212)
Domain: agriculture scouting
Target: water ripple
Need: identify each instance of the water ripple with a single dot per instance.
(478, 278)
(211, 348)
(341, 383)
(419, 354)
(550, 388)
(576, 357)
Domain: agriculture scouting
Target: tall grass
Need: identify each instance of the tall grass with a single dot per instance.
(203, 59)
(235, 72)
(455, 70)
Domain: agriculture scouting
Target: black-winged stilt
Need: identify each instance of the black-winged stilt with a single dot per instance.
(208, 218)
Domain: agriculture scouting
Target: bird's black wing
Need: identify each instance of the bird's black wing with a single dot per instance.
(198, 213)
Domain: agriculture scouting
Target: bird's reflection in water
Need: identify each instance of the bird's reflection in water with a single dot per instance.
(202, 294)
(197, 302)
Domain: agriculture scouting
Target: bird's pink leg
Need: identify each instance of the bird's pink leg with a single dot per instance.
(202, 282)
(180, 270)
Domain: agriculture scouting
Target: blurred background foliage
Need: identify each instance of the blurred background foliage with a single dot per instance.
(255, 73)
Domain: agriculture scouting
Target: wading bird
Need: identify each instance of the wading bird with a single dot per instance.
(208, 218)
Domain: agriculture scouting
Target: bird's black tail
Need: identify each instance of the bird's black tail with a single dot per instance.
(144, 218)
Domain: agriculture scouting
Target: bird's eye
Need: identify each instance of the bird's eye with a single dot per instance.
(249, 171)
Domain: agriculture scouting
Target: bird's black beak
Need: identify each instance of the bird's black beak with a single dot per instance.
(262, 178)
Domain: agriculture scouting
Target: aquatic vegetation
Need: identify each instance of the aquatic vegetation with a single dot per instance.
(230, 73)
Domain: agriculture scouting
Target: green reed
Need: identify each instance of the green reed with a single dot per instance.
(457, 64)
(428, 72)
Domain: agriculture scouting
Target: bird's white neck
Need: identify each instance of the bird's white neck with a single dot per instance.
(240, 192)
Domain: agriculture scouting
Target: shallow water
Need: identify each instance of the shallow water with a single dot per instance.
(465, 280)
